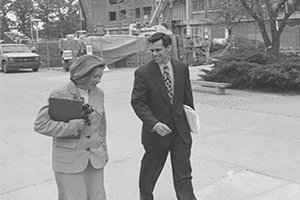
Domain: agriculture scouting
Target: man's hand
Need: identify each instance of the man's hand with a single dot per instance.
(162, 129)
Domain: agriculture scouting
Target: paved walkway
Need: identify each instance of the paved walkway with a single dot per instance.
(256, 132)
(248, 149)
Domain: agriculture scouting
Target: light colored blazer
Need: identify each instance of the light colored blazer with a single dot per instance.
(71, 155)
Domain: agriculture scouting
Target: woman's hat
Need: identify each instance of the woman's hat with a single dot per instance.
(84, 65)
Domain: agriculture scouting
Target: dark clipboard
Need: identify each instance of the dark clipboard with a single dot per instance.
(64, 109)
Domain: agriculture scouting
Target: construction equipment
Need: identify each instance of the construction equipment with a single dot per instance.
(88, 23)
(158, 11)
(16, 37)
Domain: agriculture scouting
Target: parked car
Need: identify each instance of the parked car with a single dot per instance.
(18, 56)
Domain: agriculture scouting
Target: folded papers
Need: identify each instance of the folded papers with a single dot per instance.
(192, 118)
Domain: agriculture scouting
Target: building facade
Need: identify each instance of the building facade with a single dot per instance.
(183, 17)
(117, 15)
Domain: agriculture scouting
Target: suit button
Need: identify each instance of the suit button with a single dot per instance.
(88, 149)
(88, 137)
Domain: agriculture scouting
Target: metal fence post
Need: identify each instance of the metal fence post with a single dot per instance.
(48, 55)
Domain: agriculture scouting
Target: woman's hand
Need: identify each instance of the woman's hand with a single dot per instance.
(79, 123)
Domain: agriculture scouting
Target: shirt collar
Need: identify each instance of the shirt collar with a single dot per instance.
(161, 65)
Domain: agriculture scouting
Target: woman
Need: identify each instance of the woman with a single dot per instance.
(79, 146)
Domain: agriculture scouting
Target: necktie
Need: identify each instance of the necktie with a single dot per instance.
(168, 82)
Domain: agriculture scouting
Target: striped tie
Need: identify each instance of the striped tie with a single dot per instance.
(168, 82)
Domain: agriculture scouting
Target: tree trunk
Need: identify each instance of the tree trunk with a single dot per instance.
(229, 29)
(275, 45)
(264, 34)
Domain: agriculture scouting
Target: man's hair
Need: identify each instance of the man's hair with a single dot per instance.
(166, 39)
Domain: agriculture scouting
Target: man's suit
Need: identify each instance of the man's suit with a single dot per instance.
(151, 103)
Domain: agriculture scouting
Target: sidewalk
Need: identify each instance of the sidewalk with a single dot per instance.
(257, 135)
(248, 148)
(251, 186)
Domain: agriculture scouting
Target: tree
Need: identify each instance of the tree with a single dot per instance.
(5, 8)
(264, 11)
(69, 17)
(229, 12)
(59, 17)
(45, 12)
(22, 9)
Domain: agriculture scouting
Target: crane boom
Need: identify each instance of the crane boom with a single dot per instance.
(88, 22)
(159, 9)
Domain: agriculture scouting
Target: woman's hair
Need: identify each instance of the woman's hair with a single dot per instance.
(86, 76)
(81, 70)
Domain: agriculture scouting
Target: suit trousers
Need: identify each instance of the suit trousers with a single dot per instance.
(86, 185)
(153, 162)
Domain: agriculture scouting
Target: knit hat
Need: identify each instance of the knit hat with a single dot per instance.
(84, 65)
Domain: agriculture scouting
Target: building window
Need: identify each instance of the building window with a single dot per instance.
(147, 12)
(198, 5)
(112, 16)
(115, 1)
(213, 5)
(122, 14)
(137, 13)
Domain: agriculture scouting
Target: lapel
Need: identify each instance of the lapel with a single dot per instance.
(74, 93)
(159, 81)
(92, 97)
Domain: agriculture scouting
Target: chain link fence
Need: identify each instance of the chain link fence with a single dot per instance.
(51, 54)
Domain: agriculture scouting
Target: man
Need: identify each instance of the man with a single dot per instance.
(161, 87)
(205, 47)
(188, 47)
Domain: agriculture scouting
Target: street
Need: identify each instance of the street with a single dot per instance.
(248, 149)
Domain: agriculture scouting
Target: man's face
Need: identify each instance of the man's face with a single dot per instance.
(160, 54)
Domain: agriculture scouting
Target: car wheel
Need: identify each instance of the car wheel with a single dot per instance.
(35, 69)
(4, 67)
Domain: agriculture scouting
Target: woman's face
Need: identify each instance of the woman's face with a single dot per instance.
(93, 80)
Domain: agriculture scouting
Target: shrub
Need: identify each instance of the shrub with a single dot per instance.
(262, 58)
(246, 44)
(214, 46)
(234, 72)
(277, 76)
(258, 70)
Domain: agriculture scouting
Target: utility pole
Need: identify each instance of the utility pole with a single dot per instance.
(119, 16)
(170, 17)
(31, 30)
(188, 17)
(206, 5)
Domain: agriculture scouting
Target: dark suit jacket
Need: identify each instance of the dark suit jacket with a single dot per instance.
(151, 103)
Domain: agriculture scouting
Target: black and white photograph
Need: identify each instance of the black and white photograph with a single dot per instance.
(149, 99)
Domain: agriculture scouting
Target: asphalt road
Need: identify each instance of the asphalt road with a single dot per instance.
(248, 149)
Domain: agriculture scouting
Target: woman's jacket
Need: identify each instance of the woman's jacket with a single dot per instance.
(71, 154)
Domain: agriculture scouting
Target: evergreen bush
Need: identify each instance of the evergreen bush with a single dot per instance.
(276, 76)
(257, 70)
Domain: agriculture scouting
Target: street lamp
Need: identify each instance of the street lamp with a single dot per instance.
(37, 28)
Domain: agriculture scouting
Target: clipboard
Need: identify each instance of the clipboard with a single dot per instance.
(64, 109)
